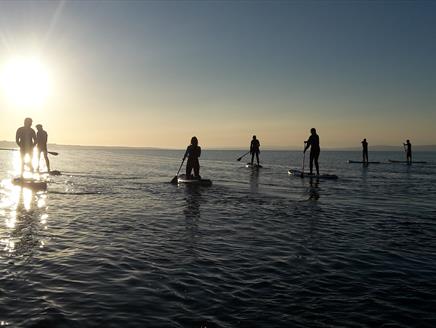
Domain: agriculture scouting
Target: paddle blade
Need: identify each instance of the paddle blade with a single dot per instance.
(53, 153)
(239, 159)
(174, 180)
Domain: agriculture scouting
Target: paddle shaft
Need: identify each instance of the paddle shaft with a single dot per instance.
(13, 149)
(239, 158)
(183, 161)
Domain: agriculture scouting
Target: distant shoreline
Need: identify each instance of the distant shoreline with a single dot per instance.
(376, 148)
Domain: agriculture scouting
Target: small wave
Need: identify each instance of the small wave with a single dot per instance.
(79, 193)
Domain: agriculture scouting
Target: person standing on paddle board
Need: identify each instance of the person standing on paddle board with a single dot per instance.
(41, 145)
(408, 149)
(26, 140)
(254, 149)
(364, 151)
(313, 143)
(193, 152)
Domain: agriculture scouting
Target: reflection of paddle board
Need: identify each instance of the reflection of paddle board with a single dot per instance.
(405, 162)
(253, 166)
(360, 162)
(300, 174)
(196, 182)
(32, 184)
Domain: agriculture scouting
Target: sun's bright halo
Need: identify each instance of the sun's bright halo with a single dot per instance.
(25, 81)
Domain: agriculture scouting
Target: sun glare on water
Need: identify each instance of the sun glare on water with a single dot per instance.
(25, 82)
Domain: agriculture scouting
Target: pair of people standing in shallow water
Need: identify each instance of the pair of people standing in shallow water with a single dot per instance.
(27, 139)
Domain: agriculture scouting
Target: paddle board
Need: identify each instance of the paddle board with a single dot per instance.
(253, 166)
(30, 184)
(196, 182)
(360, 162)
(53, 172)
(405, 162)
(298, 173)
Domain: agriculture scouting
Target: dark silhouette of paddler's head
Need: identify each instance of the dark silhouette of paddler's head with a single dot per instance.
(194, 141)
(313, 130)
(254, 137)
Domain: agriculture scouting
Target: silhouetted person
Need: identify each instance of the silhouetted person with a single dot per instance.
(313, 143)
(364, 151)
(26, 140)
(408, 150)
(254, 149)
(193, 152)
(41, 145)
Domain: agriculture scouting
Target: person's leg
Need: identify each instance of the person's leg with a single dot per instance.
(316, 163)
(311, 162)
(31, 160)
(257, 157)
(23, 156)
(197, 169)
(188, 169)
(38, 156)
(47, 162)
(252, 158)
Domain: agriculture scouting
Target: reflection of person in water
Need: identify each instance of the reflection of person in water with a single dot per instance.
(192, 216)
(313, 191)
(254, 180)
(27, 223)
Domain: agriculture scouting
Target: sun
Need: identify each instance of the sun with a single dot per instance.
(25, 82)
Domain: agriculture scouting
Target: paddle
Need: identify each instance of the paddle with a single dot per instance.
(13, 149)
(304, 157)
(239, 159)
(174, 180)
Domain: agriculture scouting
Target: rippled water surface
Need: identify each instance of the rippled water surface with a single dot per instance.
(113, 244)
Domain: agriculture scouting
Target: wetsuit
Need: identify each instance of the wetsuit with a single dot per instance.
(254, 150)
(25, 139)
(313, 143)
(41, 143)
(365, 151)
(193, 153)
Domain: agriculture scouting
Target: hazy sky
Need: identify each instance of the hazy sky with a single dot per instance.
(147, 73)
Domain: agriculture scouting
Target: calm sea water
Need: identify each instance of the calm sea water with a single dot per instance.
(113, 244)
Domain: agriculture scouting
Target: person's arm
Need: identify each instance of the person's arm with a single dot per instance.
(186, 153)
(308, 143)
(34, 138)
(18, 138)
(199, 151)
(251, 147)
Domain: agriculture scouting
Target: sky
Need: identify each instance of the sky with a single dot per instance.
(153, 74)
